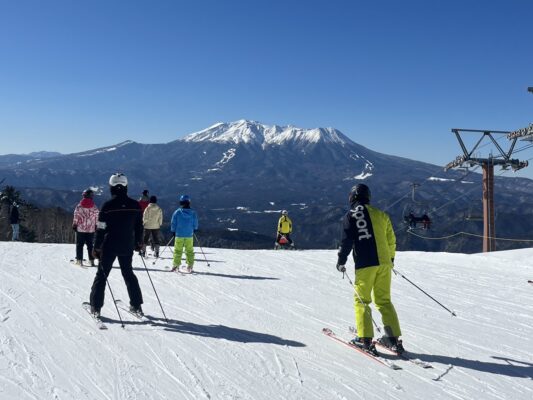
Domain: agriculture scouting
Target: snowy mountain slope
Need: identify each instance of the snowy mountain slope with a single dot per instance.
(7, 159)
(248, 327)
(244, 131)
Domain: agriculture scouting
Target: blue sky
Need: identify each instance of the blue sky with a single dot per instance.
(395, 76)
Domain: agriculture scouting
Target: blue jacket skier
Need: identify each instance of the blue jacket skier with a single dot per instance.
(183, 224)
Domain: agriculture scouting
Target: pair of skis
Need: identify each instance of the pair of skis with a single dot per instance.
(181, 271)
(380, 360)
(402, 355)
(100, 324)
(377, 358)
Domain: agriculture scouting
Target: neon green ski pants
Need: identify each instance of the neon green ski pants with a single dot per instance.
(179, 244)
(374, 281)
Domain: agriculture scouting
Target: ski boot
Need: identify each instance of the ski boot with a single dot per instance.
(79, 262)
(137, 310)
(95, 312)
(365, 344)
(189, 269)
(390, 341)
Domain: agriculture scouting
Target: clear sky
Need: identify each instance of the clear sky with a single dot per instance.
(395, 76)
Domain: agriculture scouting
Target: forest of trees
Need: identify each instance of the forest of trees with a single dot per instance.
(45, 225)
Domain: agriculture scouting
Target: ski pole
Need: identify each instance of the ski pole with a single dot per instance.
(155, 291)
(367, 307)
(427, 294)
(168, 244)
(114, 302)
(202, 250)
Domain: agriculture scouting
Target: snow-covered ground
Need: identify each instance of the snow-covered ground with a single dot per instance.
(249, 327)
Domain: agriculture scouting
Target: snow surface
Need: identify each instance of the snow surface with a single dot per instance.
(226, 157)
(436, 179)
(249, 327)
(244, 131)
(104, 149)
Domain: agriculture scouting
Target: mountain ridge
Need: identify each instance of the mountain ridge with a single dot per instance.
(253, 132)
(227, 177)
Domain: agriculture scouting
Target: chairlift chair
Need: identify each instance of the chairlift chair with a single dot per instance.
(416, 213)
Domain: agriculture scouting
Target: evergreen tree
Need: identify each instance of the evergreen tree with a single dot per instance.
(9, 194)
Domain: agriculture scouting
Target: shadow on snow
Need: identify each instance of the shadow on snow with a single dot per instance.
(524, 370)
(213, 331)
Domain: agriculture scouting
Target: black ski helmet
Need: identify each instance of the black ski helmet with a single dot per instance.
(185, 200)
(87, 194)
(360, 193)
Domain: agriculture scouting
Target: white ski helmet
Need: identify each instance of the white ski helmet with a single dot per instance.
(284, 212)
(118, 179)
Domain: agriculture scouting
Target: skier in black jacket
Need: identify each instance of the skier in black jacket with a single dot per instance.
(119, 233)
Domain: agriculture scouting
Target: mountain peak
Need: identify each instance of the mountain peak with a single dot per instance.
(247, 131)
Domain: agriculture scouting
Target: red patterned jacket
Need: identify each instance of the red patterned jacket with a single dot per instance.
(85, 216)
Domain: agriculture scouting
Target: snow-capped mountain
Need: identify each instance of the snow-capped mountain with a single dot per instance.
(249, 327)
(252, 132)
(242, 174)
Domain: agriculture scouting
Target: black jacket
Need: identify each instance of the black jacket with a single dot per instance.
(119, 227)
(368, 232)
(14, 215)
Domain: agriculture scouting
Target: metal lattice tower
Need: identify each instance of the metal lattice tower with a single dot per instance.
(504, 160)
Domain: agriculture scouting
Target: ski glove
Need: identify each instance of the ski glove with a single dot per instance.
(341, 268)
(139, 247)
(75, 228)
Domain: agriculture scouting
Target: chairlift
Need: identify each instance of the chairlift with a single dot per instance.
(475, 214)
(416, 213)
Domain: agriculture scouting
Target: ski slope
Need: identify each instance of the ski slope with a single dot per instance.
(249, 327)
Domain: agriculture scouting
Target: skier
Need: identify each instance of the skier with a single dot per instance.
(119, 232)
(412, 220)
(284, 228)
(152, 220)
(14, 220)
(84, 224)
(368, 232)
(426, 221)
(144, 200)
(184, 223)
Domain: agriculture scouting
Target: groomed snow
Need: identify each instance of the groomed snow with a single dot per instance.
(249, 327)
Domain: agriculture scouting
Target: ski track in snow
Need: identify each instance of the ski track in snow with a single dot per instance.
(249, 327)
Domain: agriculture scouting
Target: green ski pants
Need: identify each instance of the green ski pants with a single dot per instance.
(375, 281)
(179, 244)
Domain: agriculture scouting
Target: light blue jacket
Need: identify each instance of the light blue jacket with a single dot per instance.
(184, 222)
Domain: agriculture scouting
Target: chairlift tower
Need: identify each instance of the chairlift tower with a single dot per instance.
(487, 164)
